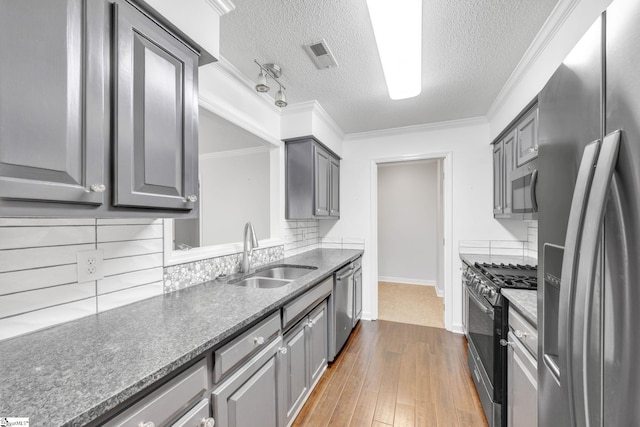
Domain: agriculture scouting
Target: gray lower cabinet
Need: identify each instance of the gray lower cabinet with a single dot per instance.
(305, 360)
(522, 372)
(53, 69)
(178, 401)
(252, 395)
(156, 110)
(312, 180)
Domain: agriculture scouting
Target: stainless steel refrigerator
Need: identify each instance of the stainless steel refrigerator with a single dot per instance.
(589, 229)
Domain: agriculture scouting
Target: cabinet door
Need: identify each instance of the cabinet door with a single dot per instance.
(250, 397)
(53, 67)
(334, 197)
(357, 295)
(498, 168)
(296, 368)
(527, 139)
(321, 164)
(507, 146)
(156, 115)
(522, 386)
(318, 349)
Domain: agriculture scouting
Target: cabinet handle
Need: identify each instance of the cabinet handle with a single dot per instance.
(283, 350)
(258, 340)
(98, 188)
(207, 422)
(146, 424)
(192, 198)
(505, 343)
(520, 334)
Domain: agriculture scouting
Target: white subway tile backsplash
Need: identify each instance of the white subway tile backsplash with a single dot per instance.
(26, 280)
(29, 322)
(133, 263)
(25, 259)
(129, 248)
(38, 268)
(23, 302)
(44, 222)
(115, 233)
(128, 296)
(129, 280)
(32, 237)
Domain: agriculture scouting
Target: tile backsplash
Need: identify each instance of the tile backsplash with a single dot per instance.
(39, 273)
(192, 273)
(532, 239)
(300, 236)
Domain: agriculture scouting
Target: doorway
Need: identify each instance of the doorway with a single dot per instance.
(410, 236)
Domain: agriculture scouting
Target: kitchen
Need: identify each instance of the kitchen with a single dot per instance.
(463, 144)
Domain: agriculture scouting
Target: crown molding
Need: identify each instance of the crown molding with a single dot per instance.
(222, 7)
(231, 71)
(314, 106)
(449, 124)
(549, 29)
(233, 153)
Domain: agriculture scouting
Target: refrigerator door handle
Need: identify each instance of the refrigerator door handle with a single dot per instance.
(587, 264)
(534, 183)
(563, 371)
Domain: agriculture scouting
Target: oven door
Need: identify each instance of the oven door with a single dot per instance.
(480, 326)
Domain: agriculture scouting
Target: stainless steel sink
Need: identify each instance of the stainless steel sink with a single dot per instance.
(260, 282)
(286, 272)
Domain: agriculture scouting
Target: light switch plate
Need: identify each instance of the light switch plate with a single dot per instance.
(90, 265)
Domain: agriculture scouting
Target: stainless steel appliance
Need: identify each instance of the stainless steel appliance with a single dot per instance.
(589, 229)
(486, 326)
(345, 305)
(523, 191)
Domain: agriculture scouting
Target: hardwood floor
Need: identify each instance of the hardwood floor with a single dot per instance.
(394, 374)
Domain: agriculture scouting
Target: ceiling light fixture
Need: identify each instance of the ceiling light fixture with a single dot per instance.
(274, 71)
(397, 27)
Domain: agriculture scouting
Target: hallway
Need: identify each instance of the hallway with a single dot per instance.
(412, 304)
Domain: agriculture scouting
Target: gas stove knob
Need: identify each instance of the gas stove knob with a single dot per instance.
(491, 293)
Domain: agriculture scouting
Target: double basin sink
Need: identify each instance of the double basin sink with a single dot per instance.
(273, 277)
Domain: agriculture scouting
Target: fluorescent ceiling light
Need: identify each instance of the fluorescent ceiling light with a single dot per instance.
(397, 26)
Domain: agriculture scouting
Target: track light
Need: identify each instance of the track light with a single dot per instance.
(273, 71)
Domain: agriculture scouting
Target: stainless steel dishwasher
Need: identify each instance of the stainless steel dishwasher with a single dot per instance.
(342, 309)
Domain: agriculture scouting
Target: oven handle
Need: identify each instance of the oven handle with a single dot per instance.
(480, 304)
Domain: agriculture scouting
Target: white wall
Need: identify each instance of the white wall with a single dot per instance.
(234, 190)
(408, 222)
(471, 218)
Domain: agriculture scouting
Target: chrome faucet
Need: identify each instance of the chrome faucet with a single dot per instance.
(249, 240)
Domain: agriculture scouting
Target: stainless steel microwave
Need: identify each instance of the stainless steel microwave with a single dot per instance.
(523, 191)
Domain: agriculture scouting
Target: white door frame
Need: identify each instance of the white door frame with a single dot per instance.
(448, 211)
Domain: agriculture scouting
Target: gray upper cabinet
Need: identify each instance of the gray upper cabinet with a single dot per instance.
(156, 115)
(312, 180)
(516, 145)
(527, 140)
(98, 110)
(52, 71)
(498, 180)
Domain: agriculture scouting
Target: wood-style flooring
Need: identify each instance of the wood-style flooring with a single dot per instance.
(394, 374)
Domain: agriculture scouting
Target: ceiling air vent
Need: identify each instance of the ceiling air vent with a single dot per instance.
(320, 54)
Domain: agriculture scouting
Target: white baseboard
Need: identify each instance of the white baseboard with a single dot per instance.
(439, 292)
(406, 281)
(457, 328)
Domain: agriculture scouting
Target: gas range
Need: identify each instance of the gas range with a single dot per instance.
(513, 276)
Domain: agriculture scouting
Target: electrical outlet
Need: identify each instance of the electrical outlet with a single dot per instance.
(90, 265)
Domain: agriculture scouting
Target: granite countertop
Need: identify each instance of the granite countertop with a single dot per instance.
(525, 301)
(498, 259)
(71, 374)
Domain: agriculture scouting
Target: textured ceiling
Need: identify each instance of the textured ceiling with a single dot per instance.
(470, 48)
